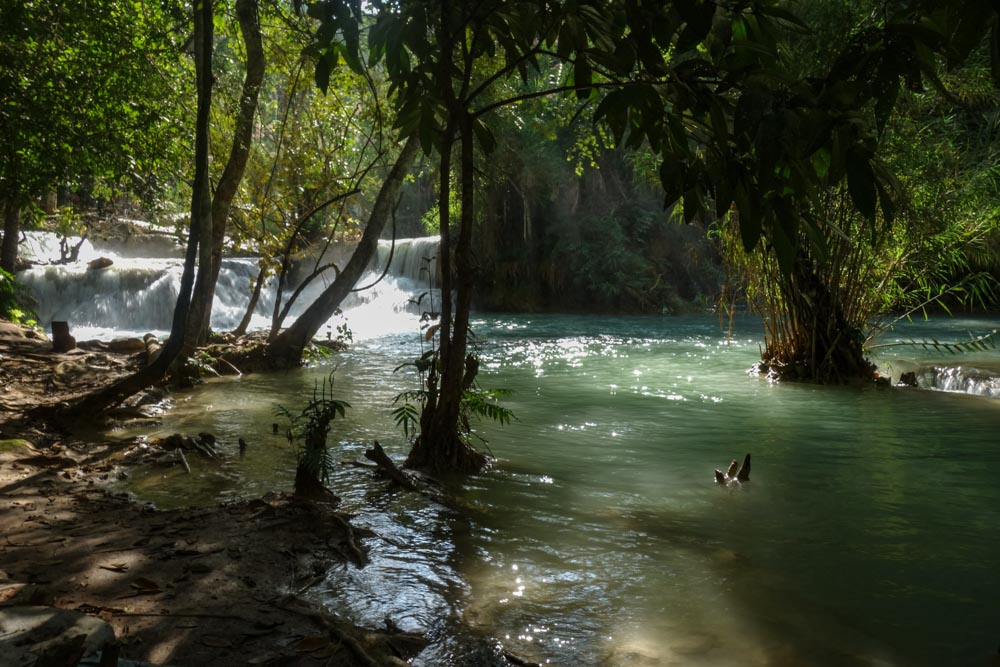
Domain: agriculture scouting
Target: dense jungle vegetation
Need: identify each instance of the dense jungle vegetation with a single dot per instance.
(829, 164)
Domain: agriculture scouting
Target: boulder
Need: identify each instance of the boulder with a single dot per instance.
(99, 263)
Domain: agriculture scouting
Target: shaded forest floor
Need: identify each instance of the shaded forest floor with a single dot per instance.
(208, 586)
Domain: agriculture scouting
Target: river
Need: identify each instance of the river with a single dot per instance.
(867, 534)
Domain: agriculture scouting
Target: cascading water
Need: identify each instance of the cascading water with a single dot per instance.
(137, 292)
(415, 259)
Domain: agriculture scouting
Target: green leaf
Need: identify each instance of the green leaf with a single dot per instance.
(750, 218)
(672, 179)
(323, 73)
(698, 24)
(613, 109)
(486, 139)
(861, 184)
(821, 162)
(582, 77)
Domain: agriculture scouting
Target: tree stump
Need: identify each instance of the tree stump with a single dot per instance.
(61, 340)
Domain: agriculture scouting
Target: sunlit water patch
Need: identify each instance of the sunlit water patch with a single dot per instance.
(866, 536)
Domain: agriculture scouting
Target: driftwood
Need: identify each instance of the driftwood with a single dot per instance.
(183, 460)
(235, 370)
(153, 347)
(391, 470)
(205, 448)
(358, 554)
(735, 473)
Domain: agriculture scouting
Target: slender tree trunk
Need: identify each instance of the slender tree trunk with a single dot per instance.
(440, 446)
(225, 191)
(11, 233)
(286, 348)
(201, 216)
(258, 286)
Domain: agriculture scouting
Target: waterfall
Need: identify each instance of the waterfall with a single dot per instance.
(138, 291)
(962, 379)
(131, 295)
(413, 259)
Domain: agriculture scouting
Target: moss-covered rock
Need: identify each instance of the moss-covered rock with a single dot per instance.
(15, 445)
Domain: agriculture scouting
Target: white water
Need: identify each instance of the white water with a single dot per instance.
(136, 294)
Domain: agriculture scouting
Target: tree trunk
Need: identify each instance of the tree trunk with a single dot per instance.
(201, 308)
(201, 216)
(11, 233)
(286, 348)
(309, 487)
(819, 345)
(441, 447)
(252, 305)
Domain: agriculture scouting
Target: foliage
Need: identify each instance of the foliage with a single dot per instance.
(476, 402)
(14, 301)
(984, 343)
(430, 221)
(90, 95)
(311, 179)
(308, 430)
(736, 131)
(872, 274)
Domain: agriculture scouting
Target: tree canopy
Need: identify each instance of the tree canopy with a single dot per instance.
(89, 100)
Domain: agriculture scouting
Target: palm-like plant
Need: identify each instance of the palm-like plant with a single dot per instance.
(307, 432)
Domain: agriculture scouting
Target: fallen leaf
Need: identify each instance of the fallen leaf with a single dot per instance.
(144, 585)
(115, 567)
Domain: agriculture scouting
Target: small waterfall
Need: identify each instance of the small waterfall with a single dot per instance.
(961, 379)
(44, 247)
(413, 259)
(132, 295)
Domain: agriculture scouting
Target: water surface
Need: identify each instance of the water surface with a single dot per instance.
(866, 536)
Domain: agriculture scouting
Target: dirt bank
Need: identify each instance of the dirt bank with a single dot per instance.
(215, 586)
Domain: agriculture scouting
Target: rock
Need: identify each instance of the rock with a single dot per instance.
(99, 263)
(152, 396)
(126, 345)
(15, 446)
(907, 380)
(47, 635)
(12, 330)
